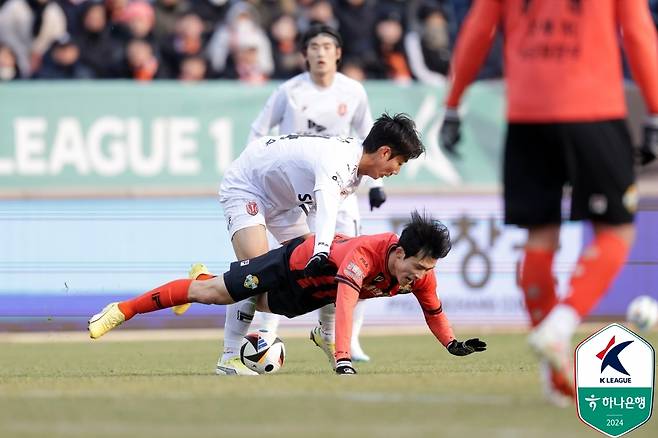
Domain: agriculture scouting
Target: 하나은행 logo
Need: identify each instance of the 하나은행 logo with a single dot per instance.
(615, 375)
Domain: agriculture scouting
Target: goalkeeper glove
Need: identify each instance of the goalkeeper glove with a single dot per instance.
(319, 265)
(344, 367)
(649, 147)
(467, 347)
(377, 197)
(450, 132)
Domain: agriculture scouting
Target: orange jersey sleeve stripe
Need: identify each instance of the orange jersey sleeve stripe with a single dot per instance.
(349, 282)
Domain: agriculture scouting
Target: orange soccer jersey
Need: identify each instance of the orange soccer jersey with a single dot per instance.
(562, 57)
(363, 273)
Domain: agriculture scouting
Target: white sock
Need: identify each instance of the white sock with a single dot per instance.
(238, 320)
(562, 321)
(327, 320)
(357, 323)
(269, 321)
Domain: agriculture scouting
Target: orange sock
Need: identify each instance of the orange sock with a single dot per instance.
(597, 267)
(538, 284)
(171, 294)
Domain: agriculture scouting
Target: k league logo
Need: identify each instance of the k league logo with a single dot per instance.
(615, 374)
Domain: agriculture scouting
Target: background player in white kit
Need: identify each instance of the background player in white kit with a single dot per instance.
(322, 101)
(275, 176)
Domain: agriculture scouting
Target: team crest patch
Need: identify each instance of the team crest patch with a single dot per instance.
(342, 109)
(252, 208)
(598, 204)
(251, 281)
(354, 272)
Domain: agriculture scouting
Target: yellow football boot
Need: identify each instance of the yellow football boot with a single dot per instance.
(104, 321)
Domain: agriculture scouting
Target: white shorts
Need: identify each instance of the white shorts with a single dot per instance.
(245, 210)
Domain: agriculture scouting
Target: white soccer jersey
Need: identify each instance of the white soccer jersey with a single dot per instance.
(300, 106)
(292, 171)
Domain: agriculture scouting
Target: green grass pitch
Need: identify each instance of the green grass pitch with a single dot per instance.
(412, 388)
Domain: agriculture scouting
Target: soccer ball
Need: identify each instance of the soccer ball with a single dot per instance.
(643, 312)
(262, 352)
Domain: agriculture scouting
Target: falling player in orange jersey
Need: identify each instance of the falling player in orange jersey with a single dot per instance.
(381, 265)
(566, 125)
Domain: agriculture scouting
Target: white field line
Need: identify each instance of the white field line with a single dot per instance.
(120, 335)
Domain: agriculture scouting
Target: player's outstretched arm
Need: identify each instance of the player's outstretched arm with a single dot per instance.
(641, 47)
(471, 49)
(346, 298)
(450, 132)
(474, 345)
(327, 201)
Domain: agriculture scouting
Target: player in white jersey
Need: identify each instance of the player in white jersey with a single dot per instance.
(322, 101)
(275, 176)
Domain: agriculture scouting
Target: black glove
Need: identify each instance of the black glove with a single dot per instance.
(449, 134)
(344, 367)
(649, 148)
(467, 347)
(377, 197)
(319, 265)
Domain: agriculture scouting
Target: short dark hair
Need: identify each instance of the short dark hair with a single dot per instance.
(399, 132)
(424, 237)
(318, 29)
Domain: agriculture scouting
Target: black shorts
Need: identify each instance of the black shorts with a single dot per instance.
(271, 273)
(594, 158)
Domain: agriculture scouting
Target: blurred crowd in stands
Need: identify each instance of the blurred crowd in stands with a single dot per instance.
(252, 41)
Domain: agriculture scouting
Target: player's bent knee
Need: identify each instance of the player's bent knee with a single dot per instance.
(261, 303)
(209, 292)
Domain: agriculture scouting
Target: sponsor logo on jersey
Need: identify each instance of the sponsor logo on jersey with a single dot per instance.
(316, 126)
(354, 272)
(244, 262)
(342, 109)
(251, 281)
(252, 208)
(378, 279)
(339, 179)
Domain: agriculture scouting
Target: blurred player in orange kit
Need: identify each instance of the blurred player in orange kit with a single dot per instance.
(566, 125)
(380, 265)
